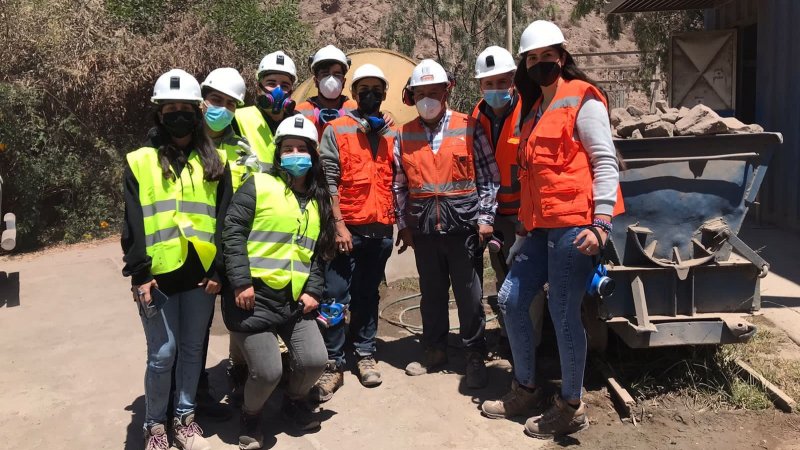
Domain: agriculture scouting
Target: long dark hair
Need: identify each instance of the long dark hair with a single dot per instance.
(168, 152)
(316, 189)
(530, 91)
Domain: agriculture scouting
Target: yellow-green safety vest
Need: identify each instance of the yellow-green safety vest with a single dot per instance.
(254, 127)
(283, 237)
(175, 212)
(239, 172)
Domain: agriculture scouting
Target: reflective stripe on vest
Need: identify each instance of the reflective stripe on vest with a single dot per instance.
(365, 186)
(255, 129)
(556, 173)
(506, 156)
(449, 172)
(282, 239)
(175, 212)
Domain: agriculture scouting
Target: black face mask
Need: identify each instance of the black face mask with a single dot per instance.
(179, 123)
(544, 73)
(369, 102)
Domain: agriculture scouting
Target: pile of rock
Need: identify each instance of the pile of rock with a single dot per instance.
(633, 123)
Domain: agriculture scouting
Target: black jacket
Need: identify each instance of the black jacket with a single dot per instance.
(138, 263)
(273, 307)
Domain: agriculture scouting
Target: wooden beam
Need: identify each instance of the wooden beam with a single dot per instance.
(781, 400)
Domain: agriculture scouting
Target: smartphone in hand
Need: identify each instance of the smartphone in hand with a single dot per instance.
(157, 301)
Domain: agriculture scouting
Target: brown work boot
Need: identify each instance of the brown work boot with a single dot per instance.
(560, 419)
(368, 372)
(329, 382)
(519, 401)
(155, 437)
(433, 359)
(476, 376)
(188, 434)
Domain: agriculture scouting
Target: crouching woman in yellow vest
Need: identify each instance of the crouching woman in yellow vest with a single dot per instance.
(174, 189)
(278, 230)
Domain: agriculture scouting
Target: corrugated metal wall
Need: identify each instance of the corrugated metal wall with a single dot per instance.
(777, 96)
(778, 106)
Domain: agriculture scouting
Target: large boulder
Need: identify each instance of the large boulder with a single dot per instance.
(619, 115)
(661, 106)
(659, 129)
(634, 111)
(701, 120)
(626, 128)
(670, 117)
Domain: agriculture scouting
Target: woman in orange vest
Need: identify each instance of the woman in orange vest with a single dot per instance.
(569, 180)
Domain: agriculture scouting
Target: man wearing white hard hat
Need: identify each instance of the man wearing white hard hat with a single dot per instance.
(445, 185)
(356, 152)
(329, 65)
(275, 81)
(498, 113)
(569, 179)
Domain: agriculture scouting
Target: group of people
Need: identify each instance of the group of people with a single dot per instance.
(288, 210)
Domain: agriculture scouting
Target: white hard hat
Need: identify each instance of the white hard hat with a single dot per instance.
(329, 53)
(228, 81)
(427, 72)
(494, 61)
(277, 62)
(176, 85)
(540, 34)
(369, 71)
(297, 126)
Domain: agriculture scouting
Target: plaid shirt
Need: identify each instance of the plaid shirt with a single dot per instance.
(487, 176)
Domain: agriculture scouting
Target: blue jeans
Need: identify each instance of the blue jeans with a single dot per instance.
(548, 255)
(354, 280)
(175, 336)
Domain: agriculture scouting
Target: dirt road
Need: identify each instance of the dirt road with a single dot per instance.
(73, 357)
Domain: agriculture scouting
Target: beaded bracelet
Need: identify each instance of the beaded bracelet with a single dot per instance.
(603, 225)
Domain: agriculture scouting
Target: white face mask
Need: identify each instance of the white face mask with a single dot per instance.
(429, 108)
(330, 87)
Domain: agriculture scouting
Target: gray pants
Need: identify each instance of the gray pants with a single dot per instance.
(308, 358)
(442, 259)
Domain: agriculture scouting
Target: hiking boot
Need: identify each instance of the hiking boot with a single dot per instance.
(519, 401)
(433, 359)
(188, 434)
(250, 435)
(298, 414)
(476, 376)
(155, 437)
(562, 418)
(368, 373)
(329, 382)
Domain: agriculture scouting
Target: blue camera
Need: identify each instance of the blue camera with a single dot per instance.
(599, 283)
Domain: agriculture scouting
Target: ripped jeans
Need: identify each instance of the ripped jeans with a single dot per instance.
(548, 255)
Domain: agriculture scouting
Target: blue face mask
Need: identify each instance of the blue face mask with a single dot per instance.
(218, 117)
(297, 164)
(497, 98)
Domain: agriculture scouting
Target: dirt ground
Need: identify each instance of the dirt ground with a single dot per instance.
(73, 357)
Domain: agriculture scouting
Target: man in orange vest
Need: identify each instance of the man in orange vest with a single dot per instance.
(498, 114)
(445, 185)
(329, 66)
(356, 154)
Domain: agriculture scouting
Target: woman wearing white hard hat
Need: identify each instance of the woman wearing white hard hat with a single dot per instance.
(278, 230)
(275, 80)
(174, 192)
(569, 179)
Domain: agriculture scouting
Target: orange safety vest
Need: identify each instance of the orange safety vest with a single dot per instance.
(365, 189)
(555, 170)
(506, 156)
(310, 110)
(444, 178)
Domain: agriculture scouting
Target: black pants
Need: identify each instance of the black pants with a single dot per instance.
(442, 260)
